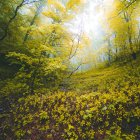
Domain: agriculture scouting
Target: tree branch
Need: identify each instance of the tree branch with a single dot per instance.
(33, 21)
(26, 3)
(13, 17)
(75, 50)
(126, 7)
(75, 69)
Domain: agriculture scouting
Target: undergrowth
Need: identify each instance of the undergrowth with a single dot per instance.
(102, 105)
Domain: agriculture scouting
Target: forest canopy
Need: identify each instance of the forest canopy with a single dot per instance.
(69, 70)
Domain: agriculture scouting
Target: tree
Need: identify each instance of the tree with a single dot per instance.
(124, 25)
(22, 3)
(47, 49)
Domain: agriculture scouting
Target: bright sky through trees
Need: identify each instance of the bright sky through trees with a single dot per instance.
(92, 18)
(93, 22)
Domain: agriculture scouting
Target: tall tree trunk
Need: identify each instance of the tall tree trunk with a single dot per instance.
(39, 8)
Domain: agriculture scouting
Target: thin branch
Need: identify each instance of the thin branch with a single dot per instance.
(71, 48)
(26, 3)
(75, 50)
(126, 7)
(33, 20)
(28, 31)
(75, 69)
(130, 4)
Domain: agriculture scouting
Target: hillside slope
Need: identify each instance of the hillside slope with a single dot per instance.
(103, 104)
(101, 79)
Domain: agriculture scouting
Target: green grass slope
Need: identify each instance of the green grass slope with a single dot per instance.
(104, 78)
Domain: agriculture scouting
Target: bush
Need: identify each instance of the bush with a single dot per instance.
(72, 116)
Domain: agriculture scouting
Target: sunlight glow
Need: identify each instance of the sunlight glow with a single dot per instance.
(91, 20)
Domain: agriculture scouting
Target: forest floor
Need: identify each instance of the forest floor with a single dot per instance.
(94, 79)
(101, 104)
